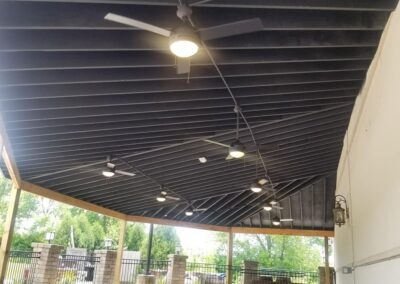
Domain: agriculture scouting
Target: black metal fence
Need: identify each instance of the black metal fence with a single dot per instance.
(272, 276)
(205, 273)
(21, 267)
(76, 269)
(131, 268)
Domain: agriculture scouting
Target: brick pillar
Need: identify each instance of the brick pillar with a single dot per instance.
(105, 268)
(176, 269)
(250, 271)
(47, 265)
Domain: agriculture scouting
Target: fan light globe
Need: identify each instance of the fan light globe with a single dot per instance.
(107, 172)
(267, 207)
(276, 221)
(189, 213)
(161, 198)
(183, 48)
(255, 187)
(236, 150)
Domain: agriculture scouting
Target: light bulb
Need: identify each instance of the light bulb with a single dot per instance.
(107, 172)
(236, 150)
(255, 187)
(267, 207)
(189, 213)
(184, 48)
(276, 221)
(161, 198)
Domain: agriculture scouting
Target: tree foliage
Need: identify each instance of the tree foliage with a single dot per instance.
(272, 251)
(165, 241)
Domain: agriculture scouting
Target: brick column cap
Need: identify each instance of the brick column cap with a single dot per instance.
(177, 256)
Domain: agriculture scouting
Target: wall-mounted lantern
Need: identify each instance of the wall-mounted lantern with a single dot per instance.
(340, 214)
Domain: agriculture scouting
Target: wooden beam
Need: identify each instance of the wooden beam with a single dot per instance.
(166, 222)
(327, 268)
(120, 252)
(229, 257)
(291, 232)
(8, 155)
(44, 192)
(8, 231)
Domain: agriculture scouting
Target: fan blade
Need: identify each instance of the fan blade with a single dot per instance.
(137, 24)
(172, 198)
(230, 29)
(125, 173)
(182, 65)
(216, 143)
(277, 207)
(286, 220)
(199, 209)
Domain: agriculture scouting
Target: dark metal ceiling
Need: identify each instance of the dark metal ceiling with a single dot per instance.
(75, 88)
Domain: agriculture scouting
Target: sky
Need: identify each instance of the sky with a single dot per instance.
(197, 242)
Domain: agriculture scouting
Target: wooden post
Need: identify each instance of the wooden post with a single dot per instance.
(120, 252)
(229, 257)
(327, 268)
(8, 231)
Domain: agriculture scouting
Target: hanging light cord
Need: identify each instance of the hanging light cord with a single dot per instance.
(236, 107)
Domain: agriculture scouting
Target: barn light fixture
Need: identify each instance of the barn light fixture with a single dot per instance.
(267, 207)
(108, 172)
(236, 150)
(161, 198)
(340, 214)
(189, 212)
(276, 221)
(256, 187)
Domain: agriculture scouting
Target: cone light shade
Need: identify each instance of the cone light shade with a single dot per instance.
(161, 198)
(236, 150)
(107, 172)
(255, 187)
(276, 221)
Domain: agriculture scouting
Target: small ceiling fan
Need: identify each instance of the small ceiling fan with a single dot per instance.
(276, 221)
(185, 39)
(111, 170)
(191, 210)
(272, 205)
(163, 196)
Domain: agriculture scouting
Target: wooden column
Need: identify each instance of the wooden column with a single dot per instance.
(327, 268)
(8, 231)
(120, 252)
(229, 257)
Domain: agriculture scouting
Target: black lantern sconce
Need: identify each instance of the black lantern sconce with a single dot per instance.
(340, 214)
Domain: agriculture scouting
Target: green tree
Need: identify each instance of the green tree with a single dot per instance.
(5, 188)
(272, 251)
(165, 240)
(135, 236)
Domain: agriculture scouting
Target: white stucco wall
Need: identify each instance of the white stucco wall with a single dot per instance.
(371, 157)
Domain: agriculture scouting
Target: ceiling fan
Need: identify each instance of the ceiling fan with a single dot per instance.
(276, 221)
(163, 196)
(272, 205)
(185, 39)
(191, 210)
(110, 169)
